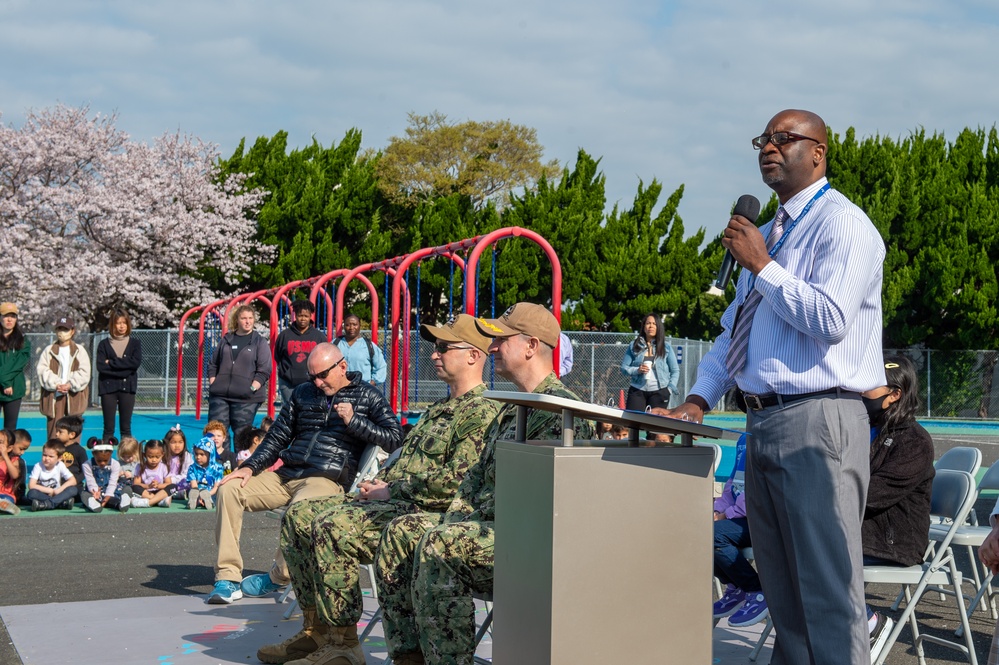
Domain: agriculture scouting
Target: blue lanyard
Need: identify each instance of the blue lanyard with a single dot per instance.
(787, 232)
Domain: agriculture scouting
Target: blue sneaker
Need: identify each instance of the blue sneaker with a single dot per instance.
(224, 593)
(727, 605)
(255, 586)
(752, 612)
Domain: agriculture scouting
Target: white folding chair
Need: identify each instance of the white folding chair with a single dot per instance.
(960, 458)
(970, 537)
(952, 499)
(718, 454)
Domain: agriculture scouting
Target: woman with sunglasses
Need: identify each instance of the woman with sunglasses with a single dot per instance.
(15, 352)
(897, 517)
(238, 372)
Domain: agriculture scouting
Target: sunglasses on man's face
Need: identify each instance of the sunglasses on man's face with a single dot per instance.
(443, 347)
(326, 372)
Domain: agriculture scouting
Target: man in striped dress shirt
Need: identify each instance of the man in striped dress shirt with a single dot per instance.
(801, 340)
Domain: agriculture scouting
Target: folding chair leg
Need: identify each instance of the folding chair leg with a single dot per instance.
(284, 594)
(372, 622)
(291, 609)
(754, 654)
(481, 632)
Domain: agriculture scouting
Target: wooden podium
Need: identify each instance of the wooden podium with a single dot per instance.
(603, 554)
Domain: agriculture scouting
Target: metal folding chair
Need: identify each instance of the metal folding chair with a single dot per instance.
(952, 499)
(971, 536)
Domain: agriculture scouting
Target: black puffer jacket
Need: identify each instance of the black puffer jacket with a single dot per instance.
(897, 517)
(312, 440)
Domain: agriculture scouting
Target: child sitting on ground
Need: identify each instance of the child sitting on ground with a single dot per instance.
(103, 486)
(128, 458)
(204, 475)
(225, 457)
(247, 440)
(51, 484)
(10, 473)
(22, 441)
(150, 482)
(68, 430)
(178, 460)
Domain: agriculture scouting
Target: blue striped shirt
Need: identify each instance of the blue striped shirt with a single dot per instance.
(819, 325)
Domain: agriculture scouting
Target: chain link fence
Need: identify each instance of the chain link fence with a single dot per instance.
(953, 384)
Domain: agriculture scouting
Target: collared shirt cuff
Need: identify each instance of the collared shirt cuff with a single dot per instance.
(709, 389)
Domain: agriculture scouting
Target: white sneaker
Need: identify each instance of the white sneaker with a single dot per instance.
(93, 504)
(139, 502)
(166, 502)
(124, 502)
(880, 634)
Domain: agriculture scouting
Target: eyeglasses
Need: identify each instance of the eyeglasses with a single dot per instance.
(326, 372)
(443, 347)
(779, 139)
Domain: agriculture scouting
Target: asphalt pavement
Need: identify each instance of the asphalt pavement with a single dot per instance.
(61, 557)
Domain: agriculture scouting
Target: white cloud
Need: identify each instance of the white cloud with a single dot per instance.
(666, 90)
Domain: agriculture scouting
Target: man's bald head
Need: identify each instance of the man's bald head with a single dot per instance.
(327, 369)
(324, 354)
(790, 168)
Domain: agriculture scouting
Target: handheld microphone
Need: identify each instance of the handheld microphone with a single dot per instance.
(747, 206)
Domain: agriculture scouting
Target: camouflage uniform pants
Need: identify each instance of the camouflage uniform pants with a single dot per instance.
(394, 570)
(324, 541)
(455, 561)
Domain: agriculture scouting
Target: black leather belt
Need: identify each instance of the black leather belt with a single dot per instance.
(757, 402)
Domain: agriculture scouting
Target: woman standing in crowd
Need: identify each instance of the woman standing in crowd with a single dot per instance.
(15, 352)
(118, 360)
(238, 372)
(64, 374)
(651, 364)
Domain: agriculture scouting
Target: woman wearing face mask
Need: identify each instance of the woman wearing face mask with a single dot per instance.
(897, 517)
(64, 374)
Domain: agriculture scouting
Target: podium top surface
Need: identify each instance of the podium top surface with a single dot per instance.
(630, 419)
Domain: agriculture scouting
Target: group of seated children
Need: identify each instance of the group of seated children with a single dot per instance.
(163, 469)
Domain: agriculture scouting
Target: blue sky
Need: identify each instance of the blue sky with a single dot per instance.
(668, 90)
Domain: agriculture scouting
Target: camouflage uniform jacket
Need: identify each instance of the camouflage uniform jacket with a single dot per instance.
(476, 499)
(446, 442)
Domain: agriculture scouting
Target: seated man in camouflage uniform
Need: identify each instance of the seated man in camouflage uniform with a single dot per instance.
(324, 540)
(432, 616)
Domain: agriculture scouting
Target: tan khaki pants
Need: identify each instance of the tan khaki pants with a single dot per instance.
(265, 491)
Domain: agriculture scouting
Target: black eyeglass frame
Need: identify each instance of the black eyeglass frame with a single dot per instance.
(778, 139)
(326, 372)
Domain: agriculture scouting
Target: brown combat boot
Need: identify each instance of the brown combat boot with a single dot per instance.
(314, 634)
(342, 648)
(413, 658)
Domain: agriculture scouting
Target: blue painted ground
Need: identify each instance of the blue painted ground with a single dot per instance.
(154, 424)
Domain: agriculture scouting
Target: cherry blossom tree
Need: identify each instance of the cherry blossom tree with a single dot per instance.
(90, 219)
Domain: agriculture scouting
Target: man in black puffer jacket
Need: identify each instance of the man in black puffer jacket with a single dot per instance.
(319, 437)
